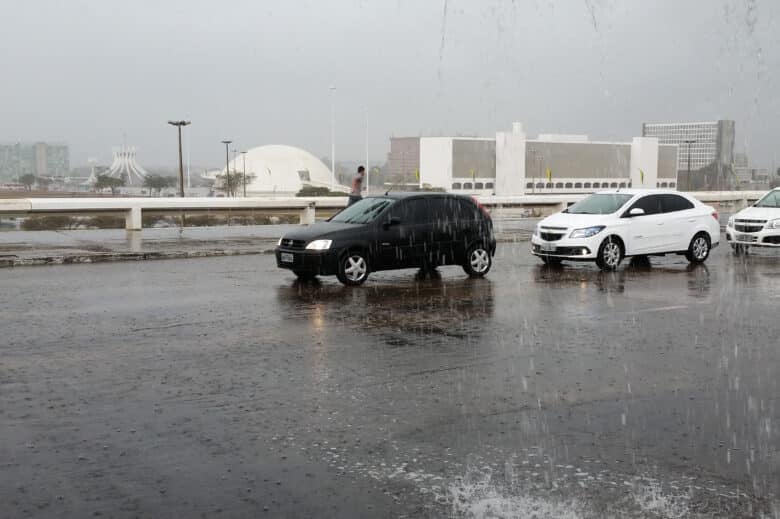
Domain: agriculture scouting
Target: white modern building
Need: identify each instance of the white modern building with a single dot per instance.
(282, 170)
(512, 164)
(706, 150)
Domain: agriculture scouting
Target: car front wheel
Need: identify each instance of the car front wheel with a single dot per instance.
(478, 261)
(610, 254)
(353, 268)
(699, 248)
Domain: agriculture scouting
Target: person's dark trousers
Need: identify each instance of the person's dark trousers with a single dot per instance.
(353, 199)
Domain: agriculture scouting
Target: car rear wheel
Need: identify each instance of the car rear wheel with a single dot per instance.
(610, 254)
(353, 268)
(699, 248)
(478, 261)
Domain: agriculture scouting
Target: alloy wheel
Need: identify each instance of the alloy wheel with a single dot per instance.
(611, 254)
(700, 248)
(355, 268)
(480, 260)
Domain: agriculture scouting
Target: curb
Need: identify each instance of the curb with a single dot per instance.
(107, 257)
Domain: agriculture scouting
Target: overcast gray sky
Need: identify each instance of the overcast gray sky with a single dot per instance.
(88, 72)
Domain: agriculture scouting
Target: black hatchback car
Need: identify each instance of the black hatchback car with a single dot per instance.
(393, 231)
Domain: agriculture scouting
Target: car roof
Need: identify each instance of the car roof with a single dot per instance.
(634, 192)
(399, 195)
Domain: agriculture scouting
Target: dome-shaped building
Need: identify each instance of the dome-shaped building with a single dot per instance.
(282, 170)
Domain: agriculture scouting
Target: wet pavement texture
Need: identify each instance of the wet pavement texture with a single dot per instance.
(222, 387)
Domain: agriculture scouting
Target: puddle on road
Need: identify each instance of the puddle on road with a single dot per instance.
(595, 348)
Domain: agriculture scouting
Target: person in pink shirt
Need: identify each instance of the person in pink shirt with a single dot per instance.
(357, 185)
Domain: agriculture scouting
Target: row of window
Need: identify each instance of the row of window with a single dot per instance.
(590, 185)
(560, 185)
(475, 185)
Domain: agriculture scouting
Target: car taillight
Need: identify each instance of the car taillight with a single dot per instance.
(715, 215)
(481, 207)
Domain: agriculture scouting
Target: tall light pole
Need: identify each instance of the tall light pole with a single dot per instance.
(243, 156)
(332, 137)
(227, 164)
(688, 179)
(178, 125)
(368, 170)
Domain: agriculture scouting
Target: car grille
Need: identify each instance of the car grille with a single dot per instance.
(551, 233)
(749, 225)
(293, 244)
(563, 251)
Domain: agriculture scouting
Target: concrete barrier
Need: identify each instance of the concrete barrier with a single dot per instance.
(133, 208)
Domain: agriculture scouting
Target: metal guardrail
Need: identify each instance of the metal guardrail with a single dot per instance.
(133, 208)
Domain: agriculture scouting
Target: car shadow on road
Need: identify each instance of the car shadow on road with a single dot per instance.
(639, 270)
(393, 306)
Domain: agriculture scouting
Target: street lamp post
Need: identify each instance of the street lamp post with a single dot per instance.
(332, 137)
(403, 169)
(235, 171)
(243, 157)
(227, 164)
(178, 125)
(688, 179)
(368, 170)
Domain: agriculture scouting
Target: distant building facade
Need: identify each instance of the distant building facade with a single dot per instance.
(708, 146)
(511, 164)
(41, 159)
(403, 161)
(750, 177)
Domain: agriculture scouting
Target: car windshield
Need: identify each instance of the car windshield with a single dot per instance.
(363, 211)
(772, 199)
(601, 203)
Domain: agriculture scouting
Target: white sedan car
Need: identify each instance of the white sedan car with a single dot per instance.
(756, 226)
(608, 226)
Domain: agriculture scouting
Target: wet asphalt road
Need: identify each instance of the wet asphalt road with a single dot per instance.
(221, 387)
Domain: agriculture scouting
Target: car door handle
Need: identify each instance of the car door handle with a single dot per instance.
(692, 220)
(660, 223)
(385, 243)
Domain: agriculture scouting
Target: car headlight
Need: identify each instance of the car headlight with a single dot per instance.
(319, 245)
(731, 222)
(587, 232)
(279, 242)
(773, 224)
(536, 231)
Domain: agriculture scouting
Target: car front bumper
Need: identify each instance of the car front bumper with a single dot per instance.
(324, 263)
(762, 238)
(567, 248)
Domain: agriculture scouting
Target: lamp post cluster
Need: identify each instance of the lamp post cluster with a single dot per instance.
(229, 187)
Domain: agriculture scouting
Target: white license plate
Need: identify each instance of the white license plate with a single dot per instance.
(287, 257)
(547, 247)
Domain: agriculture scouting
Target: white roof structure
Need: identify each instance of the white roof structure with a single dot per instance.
(124, 164)
(280, 169)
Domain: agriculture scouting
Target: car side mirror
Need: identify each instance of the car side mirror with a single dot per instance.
(394, 220)
(636, 211)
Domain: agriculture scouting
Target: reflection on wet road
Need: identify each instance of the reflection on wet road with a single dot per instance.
(560, 391)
